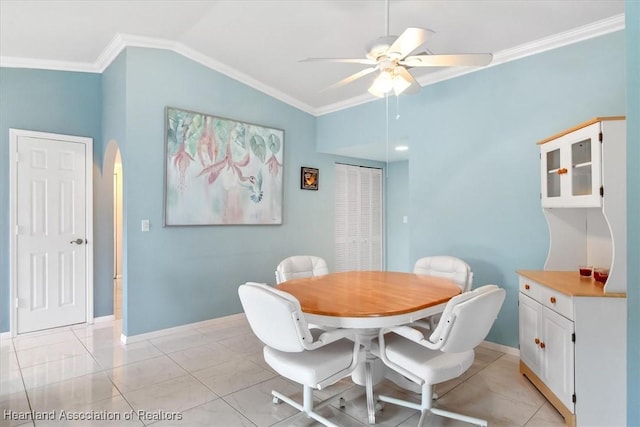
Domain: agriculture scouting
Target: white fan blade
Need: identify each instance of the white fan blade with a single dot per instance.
(352, 78)
(347, 60)
(407, 42)
(414, 85)
(471, 59)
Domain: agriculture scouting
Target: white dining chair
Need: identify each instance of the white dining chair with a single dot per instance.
(446, 354)
(298, 266)
(448, 267)
(315, 359)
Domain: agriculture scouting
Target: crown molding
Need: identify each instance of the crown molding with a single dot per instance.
(45, 64)
(202, 59)
(122, 41)
(586, 32)
(599, 28)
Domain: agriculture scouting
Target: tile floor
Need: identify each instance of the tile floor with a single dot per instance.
(215, 376)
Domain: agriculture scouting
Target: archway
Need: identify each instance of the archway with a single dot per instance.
(113, 180)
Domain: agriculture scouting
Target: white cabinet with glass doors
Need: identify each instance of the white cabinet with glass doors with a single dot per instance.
(571, 167)
(573, 328)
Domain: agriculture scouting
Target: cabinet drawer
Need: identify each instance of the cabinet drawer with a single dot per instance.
(530, 288)
(557, 301)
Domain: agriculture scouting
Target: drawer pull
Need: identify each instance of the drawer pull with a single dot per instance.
(542, 345)
(553, 300)
(527, 287)
(537, 340)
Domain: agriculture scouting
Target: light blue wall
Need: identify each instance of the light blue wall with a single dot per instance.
(178, 275)
(473, 166)
(632, 16)
(396, 181)
(47, 101)
(113, 137)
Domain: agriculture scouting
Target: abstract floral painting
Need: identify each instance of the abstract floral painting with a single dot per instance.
(221, 171)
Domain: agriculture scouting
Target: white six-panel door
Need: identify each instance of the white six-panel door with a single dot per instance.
(50, 263)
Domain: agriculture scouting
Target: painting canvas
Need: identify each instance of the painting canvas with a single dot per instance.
(221, 171)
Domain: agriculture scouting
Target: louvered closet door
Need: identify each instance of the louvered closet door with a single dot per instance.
(375, 220)
(358, 218)
(340, 212)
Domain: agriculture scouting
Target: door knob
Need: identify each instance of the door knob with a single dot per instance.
(78, 241)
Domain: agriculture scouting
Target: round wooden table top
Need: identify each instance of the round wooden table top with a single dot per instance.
(369, 293)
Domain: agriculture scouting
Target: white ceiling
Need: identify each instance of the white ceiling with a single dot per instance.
(261, 42)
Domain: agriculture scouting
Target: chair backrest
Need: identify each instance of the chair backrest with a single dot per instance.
(275, 317)
(446, 266)
(295, 267)
(467, 319)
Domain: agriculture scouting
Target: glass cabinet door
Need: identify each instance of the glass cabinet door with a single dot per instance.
(553, 175)
(581, 168)
(571, 173)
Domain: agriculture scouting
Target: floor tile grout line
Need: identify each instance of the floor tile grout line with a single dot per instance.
(235, 391)
(24, 386)
(60, 381)
(52, 361)
(534, 414)
(164, 381)
(248, 357)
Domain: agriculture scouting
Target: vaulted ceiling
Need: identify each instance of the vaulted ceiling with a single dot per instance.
(261, 42)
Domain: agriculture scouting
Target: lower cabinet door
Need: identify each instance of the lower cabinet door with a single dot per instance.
(530, 314)
(558, 353)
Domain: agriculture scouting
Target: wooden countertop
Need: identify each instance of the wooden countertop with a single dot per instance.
(569, 283)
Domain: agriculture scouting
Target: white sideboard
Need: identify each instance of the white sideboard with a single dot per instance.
(572, 328)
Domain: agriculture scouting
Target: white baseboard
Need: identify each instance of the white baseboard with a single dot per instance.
(501, 348)
(101, 319)
(155, 334)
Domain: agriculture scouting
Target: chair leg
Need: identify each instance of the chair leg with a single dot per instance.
(423, 416)
(399, 402)
(307, 399)
(456, 416)
(425, 407)
(307, 407)
(401, 381)
(406, 383)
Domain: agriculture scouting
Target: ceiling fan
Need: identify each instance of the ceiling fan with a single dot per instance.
(390, 56)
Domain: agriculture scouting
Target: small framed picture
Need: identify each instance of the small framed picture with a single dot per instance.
(309, 178)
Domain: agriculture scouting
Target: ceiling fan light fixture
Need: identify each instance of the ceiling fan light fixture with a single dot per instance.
(388, 81)
(391, 57)
(400, 84)
(382, 85)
